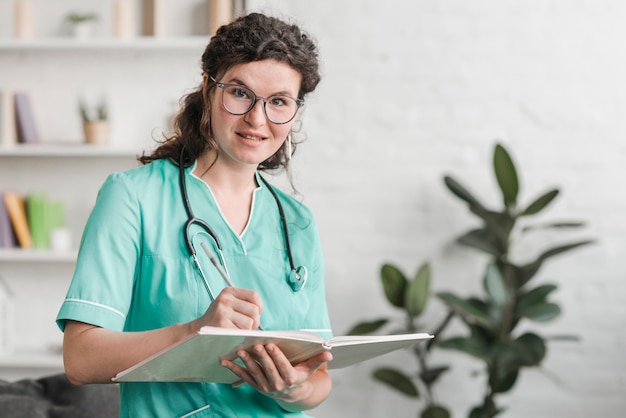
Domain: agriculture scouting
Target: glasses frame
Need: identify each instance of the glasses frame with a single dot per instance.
(256, 98)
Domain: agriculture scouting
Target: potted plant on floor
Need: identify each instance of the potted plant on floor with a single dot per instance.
(509, 298)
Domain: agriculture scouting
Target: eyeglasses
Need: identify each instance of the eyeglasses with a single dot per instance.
(239, 100)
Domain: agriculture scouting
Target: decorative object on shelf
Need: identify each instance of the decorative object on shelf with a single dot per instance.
(220, 13)
(6, 318)
(95, 123)
(8, 129)
(123, 19)
(154, 18)
(82, 24)
(24, 27)
(26, 126)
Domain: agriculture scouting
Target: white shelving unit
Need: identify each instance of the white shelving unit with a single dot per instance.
(142, 75)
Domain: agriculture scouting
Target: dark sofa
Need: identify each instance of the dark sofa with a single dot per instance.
(55, 397)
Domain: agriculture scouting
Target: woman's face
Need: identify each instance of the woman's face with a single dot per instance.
(251, 138)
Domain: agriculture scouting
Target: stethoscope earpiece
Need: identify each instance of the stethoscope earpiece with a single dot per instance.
(298, 278)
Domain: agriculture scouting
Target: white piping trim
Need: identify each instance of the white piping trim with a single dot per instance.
(192, 413)
(99, 305)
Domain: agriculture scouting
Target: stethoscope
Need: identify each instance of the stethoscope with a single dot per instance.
(298, 275)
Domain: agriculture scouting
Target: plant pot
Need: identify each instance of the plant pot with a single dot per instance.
(96, 132)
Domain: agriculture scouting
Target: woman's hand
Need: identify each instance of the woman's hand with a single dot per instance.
(267, 369)
(234, 308)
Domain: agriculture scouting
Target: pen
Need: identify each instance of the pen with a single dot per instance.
(219, 267)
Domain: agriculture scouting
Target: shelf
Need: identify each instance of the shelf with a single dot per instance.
(65, 150)
(190, 43)
(37, 256)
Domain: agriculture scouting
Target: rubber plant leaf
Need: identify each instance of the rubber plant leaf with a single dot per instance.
(473, 346)
(397, 380)
(504, 380)
(432, 374)
(506, 175)
(540, 203)
(394, 284)
(494, 286)
(533, 296)
(469, 311)
(435, 411)
(526, 272)
(554, 225)
(367, 327)
(483, 240)
(539, 312)
(417, 291)
(533, 348)
(461, 192)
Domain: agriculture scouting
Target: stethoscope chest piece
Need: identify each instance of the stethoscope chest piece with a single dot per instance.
(298, 278)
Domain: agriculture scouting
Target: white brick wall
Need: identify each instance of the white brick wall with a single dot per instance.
(413, 90)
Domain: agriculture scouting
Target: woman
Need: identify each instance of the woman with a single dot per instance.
(137, 288)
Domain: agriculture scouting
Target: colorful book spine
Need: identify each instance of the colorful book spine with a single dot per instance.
(16, 208)
(7, 234)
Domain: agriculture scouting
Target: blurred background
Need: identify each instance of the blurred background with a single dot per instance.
(410, 92)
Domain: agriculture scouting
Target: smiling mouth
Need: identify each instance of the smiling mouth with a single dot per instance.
(250, 137)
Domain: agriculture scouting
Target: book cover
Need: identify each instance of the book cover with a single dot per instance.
(7, 235)
(8, 130)
(27, 131)
(197, 358)
(16, 208)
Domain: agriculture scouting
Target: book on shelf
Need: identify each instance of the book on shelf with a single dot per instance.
(7, 234)
(8, 129)
(16, 208)
(27, 131)
(197, 358)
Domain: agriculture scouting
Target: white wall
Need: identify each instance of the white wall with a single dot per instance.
(415, 90)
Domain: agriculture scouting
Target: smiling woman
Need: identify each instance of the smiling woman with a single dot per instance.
(140, 286)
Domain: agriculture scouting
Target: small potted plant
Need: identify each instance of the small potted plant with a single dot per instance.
(81, 24)
(95, 122)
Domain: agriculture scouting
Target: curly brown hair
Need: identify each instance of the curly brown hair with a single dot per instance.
(249, 38)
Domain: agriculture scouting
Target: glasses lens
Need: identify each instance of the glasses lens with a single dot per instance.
(238, 100)
(280, 109)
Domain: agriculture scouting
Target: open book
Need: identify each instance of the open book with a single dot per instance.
(197, 358)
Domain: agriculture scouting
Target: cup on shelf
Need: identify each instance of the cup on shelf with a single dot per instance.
(60, 239)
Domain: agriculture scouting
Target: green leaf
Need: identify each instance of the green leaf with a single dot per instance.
(432, 374)
(504, 380)
(494, 285)
(553, 225)
(417, 291)
(526, 272)
(534, 296)
(533, 348)
(461, 192)
(484, 240)
(435, 411)
(506, 175)
(397, 380)
(539, 312)
(540, 203)
(473, 346)
(368, 327)
(471, 312)
(394, 284)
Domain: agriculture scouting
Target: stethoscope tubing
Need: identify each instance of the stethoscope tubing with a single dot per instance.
(298, 275)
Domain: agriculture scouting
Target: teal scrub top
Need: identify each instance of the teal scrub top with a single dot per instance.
(134, 273)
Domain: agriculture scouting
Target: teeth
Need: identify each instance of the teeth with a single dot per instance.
(254, 138)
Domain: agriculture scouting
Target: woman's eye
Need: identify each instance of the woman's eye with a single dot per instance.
(240, 93)
(278, 101)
